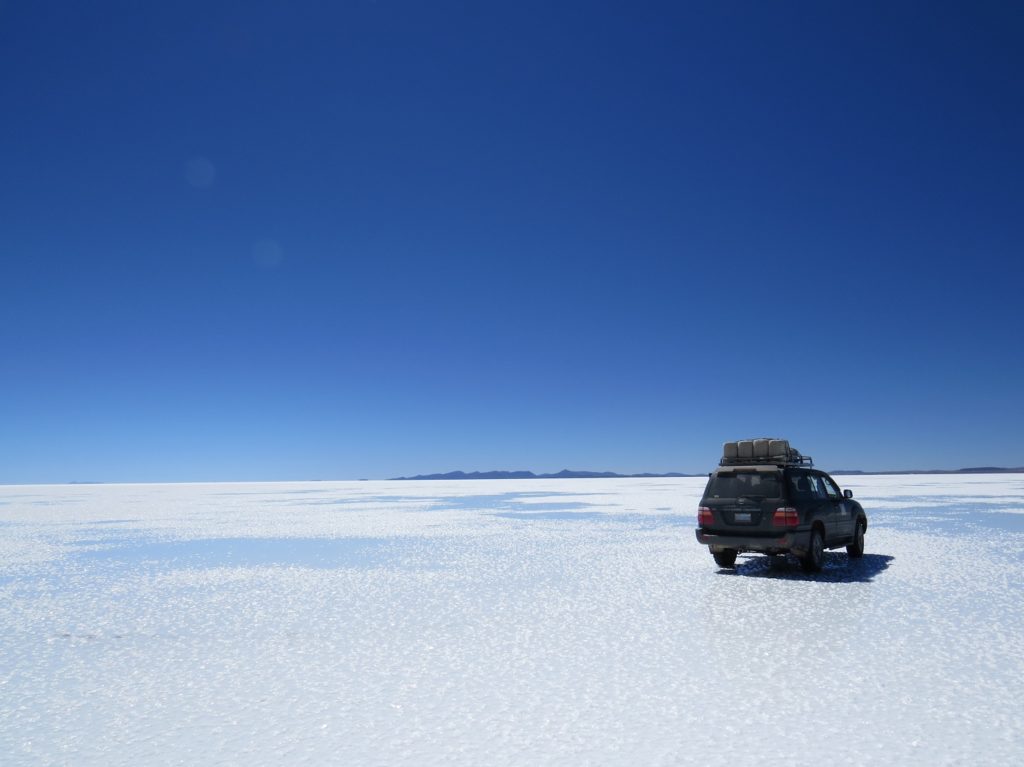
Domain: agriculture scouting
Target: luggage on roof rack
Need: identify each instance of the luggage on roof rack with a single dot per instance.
(762, 450)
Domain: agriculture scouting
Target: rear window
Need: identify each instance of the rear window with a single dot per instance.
(740, 484)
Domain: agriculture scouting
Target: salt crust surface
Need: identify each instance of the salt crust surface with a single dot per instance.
(500, 623)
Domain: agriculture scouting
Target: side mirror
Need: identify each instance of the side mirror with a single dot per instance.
(848, 493)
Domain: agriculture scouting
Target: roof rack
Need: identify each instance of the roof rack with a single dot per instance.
(762, 450)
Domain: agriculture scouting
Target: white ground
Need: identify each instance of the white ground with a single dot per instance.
(492, 623)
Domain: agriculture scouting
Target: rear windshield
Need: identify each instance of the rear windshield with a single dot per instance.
(743, 484)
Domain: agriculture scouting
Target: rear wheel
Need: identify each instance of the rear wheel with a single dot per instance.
(856, 549)
(814, 559)
(725, 557)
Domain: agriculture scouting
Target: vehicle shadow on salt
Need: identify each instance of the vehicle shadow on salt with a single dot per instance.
(839, 568)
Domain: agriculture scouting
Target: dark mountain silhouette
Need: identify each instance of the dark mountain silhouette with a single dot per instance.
(969, 470)
(563, 474)
(573, 474)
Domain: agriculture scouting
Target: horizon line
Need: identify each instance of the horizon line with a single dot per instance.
(475, 475)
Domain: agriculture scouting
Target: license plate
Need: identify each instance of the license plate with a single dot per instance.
(741, 516)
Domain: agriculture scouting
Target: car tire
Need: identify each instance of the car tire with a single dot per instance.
(725, 558)
(813, 561)
(856, 549)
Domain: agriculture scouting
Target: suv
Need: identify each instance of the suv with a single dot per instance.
(767, 497)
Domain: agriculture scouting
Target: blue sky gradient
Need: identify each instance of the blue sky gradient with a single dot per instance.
(245, 241)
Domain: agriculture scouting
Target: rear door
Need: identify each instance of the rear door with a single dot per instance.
(744, 499)
(840, 506)
(807, 494)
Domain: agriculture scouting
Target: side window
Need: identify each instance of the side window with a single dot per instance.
(833, 493)
(799, 485)
(816, 491)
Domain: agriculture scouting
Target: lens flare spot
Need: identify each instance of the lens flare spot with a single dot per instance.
(267, 254)
(200, 172)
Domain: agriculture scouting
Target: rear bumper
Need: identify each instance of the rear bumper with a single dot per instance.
(795, 542)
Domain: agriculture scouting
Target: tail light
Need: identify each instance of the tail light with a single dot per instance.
(705, 516)
(785, 517)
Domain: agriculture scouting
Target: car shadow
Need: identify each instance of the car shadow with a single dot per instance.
(838, 568)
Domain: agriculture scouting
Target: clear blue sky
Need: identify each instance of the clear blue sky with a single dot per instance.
(244, 241)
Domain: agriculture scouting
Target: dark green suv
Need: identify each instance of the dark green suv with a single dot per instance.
(767, 497)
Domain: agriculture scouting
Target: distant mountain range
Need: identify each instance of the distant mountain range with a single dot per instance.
(563, 474)
(970, 470)
(570, 474)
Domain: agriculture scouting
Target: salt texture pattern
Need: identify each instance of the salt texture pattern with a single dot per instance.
(524, 622)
